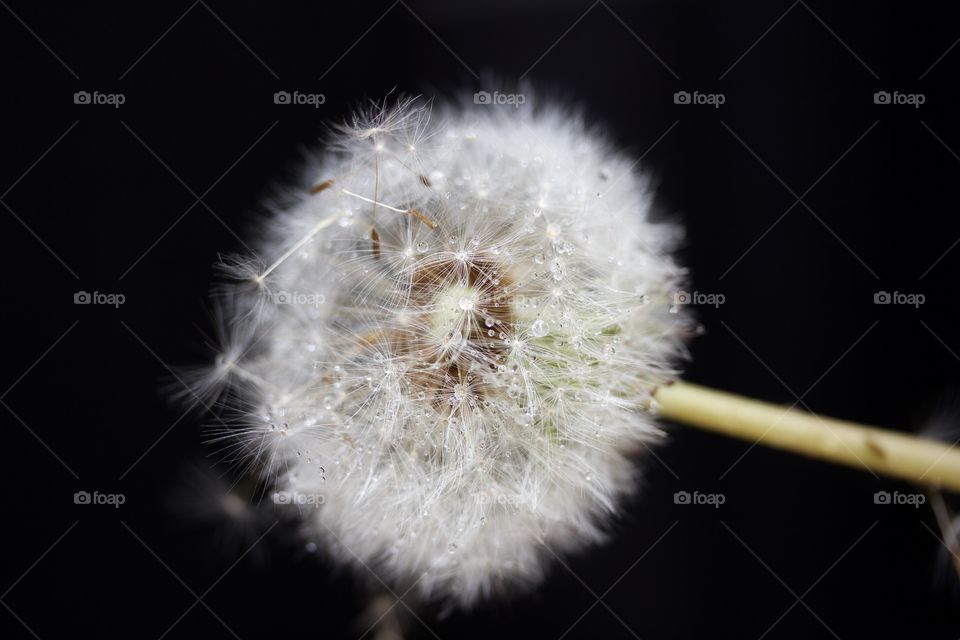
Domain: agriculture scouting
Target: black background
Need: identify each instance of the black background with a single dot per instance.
(104, 199)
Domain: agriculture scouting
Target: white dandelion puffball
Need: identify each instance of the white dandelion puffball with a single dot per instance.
(442, 355)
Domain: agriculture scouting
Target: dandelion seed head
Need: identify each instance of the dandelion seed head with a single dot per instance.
(449, 343)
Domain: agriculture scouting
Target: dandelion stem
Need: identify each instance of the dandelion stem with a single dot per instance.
(918, 460)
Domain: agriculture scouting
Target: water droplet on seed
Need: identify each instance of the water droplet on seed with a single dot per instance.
(538, 329)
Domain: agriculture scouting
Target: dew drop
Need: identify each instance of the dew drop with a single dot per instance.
(538, 329)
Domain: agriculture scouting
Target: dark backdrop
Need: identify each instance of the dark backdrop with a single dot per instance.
(802, 197)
